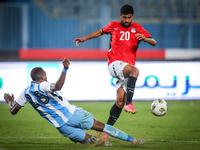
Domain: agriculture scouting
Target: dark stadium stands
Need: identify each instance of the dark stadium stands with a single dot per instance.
(55, 23)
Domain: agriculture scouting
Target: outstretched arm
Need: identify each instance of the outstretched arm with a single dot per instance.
(14, 108)
(59, 84)
(141, 37)
(94, 34)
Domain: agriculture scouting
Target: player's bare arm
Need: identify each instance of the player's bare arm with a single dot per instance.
(59, 84)
(94, 34)
(14, 108)
(141, 37)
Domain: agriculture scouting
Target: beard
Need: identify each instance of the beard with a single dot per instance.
(126, 24)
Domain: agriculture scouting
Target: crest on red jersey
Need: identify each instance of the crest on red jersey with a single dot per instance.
(133, 30)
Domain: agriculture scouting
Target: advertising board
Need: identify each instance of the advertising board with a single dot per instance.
(90, 80)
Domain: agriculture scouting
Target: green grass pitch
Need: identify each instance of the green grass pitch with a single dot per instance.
(179, 129)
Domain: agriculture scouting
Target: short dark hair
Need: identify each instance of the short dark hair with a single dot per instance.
(127, 9)
(37, 73)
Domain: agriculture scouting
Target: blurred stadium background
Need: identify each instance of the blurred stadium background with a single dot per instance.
(55, 23)
(41, 32)
(45, 29)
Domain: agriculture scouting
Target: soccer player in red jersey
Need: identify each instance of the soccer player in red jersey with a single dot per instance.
(125, 38)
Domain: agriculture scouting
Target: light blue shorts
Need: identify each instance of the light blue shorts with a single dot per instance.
(73, 128)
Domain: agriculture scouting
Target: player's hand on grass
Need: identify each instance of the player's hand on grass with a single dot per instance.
(77, 40)
(66, 63)
(8, 98)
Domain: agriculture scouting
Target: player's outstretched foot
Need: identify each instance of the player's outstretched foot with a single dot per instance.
(138, 142)
(104, 136)
(130, 108)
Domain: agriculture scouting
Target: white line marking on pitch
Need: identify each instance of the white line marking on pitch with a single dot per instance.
(161, 140)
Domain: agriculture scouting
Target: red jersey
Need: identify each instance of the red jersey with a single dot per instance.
(123, 42)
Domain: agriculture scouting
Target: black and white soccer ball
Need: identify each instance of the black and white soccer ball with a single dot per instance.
(159, 107)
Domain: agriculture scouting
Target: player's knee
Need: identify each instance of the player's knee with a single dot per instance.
(74, 134)
(134, 72)
(74, 137)
(120, 103)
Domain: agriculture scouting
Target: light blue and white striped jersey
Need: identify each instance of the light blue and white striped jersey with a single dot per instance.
(50, 105)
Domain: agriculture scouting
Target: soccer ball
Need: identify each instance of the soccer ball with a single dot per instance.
(159, 107)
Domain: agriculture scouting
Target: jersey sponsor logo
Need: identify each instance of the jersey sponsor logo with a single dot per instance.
(133, 30)
(115, 28)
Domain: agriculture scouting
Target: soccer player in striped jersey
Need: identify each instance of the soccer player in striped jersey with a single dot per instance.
(125, 38)
(69, 120)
